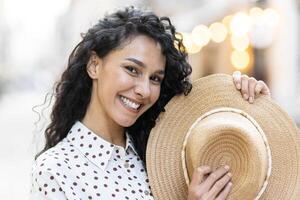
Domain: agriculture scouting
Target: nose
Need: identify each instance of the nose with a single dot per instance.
(142, 88)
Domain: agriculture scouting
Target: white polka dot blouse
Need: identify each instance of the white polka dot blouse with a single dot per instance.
(85, 166)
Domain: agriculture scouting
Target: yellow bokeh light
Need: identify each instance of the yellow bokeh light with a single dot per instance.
(201, 35)
(218, 32)
(226, 20)
(240, 59)
(189, 44)
(240, 43)
(256, 14)
(240, 24)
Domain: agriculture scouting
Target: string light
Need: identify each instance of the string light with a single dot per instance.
(218, 32)
(240, 43)
(240, 59)
(271, 17)
(226, 20)
(189, 44)
(201, 35)
(256, 14)
(257, 23)
(240, 24)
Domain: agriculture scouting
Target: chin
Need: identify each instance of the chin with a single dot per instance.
(126, 122)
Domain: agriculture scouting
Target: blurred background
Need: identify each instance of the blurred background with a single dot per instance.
(261, 38)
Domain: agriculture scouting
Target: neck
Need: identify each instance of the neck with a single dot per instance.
(103, 126)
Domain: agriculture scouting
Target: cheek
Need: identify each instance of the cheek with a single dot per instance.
(123, 79)
(155, 92)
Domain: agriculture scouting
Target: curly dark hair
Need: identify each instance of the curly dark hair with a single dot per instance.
(73, 92)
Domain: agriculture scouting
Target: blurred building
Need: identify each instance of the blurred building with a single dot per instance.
(260, 38)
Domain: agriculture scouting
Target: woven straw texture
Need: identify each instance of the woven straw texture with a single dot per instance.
(232, 137)
(164, 166)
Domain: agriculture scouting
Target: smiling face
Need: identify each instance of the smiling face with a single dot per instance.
(127, 81)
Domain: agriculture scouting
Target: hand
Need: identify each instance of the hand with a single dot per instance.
(210, 186)
(249, 86)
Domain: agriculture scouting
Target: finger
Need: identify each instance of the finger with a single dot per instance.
(199, 174)
(237, 79)
(219, 185)
(245, 86)
(213, 177)
(224, 194)
(251, 87)
(262, 88)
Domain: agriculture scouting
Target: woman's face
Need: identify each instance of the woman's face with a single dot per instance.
(127, 81)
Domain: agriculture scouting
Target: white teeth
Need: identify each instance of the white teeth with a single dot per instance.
(130, 103)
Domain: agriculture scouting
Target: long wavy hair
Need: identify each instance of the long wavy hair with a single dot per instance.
(73, 92)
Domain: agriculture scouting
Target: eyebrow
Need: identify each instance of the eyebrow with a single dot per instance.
(140, 63)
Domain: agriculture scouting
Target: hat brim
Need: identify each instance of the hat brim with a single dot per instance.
(165, 142)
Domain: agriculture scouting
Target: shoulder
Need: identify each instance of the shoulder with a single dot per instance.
(47, 176)
(53, 160)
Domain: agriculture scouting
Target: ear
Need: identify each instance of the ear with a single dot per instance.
(93, 65)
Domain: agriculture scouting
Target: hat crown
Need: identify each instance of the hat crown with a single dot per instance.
(228, 136)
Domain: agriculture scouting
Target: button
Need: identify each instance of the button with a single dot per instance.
(126, 165)
(146, 192)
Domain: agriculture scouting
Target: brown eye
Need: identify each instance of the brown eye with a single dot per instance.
(156, 79)
(131, 69)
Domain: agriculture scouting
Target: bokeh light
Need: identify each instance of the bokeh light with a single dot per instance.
(240, 24)
(240, 43)
(218, 32)
(271, 17)
(256, 14)
(240, 59)
(201, 35)
(189, 44)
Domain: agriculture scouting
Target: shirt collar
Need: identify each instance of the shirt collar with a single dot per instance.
(93, 147)
(129, 144)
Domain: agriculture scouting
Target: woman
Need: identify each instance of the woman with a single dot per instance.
(118, 80)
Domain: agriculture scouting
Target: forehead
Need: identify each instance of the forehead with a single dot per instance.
(142, 48)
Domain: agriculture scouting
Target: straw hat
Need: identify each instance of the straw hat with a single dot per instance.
(214, 126)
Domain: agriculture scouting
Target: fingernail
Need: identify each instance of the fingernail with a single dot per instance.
(251, 99)
(238, 86)
(226, 167)
(201, 169)
(229, 174)
(229, 184)
(245, 96)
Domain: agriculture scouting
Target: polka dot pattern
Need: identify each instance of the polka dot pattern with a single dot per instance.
(85, 166)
